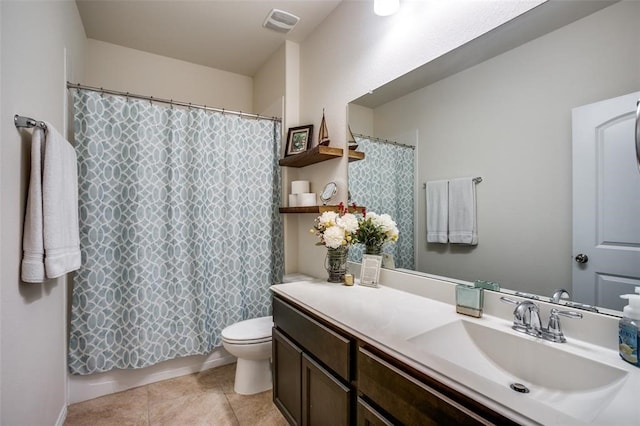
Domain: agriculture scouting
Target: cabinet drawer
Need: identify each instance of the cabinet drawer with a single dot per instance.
(405, 398)
(368, 416)
(327, 346)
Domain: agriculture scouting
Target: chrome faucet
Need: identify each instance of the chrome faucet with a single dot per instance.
(526, 319)
(560, 293)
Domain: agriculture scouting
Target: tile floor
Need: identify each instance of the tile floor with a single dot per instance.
(205, 398)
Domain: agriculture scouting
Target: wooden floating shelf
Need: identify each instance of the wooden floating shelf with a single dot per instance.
(318, 154)
(355, 155)
(319, 209)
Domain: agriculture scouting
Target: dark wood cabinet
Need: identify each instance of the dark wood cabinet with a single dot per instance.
(325, 401)
(325, 376)
(406, 399)
(287, 369)
(312, 370)
(369, 416)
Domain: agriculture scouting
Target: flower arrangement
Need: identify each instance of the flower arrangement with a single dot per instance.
(376, 229)
(336, 229)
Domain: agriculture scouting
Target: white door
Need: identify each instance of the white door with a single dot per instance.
(606, 202)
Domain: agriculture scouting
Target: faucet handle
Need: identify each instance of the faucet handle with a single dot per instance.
(553, 332)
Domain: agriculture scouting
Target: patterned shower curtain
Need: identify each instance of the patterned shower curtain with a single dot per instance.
(384, 183)
(179, 227)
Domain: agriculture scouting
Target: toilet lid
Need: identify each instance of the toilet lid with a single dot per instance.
(252, 330)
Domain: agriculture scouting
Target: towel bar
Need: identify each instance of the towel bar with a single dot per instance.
(25, 122)
(475, 180)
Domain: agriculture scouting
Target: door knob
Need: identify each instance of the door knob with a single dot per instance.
(582, 258)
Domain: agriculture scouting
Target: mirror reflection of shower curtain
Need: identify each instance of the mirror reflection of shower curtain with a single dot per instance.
(179, 227)
(384, 183)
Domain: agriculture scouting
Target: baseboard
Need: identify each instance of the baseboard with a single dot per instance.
(83, 388)
(62, 417)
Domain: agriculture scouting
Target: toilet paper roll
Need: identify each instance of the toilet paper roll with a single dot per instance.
(307, 199)
(300, 186)
(293, 200)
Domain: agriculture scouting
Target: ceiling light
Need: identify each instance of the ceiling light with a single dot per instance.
(385, 7)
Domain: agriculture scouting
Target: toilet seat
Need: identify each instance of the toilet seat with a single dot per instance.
(247, 332)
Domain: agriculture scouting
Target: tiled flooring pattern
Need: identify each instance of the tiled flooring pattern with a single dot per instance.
(205, 398)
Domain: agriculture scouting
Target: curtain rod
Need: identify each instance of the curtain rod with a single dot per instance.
(380, 140)
(169, 101)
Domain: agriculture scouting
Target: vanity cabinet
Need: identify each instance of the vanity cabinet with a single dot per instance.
(312, 369)
(324, 376)
(410, 398)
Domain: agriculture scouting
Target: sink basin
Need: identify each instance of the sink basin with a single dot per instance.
(567, 382)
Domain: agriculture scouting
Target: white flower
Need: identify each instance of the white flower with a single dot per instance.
(373, 216)
(388, 226)
(349, 222)
(377, 229)
(334, 236)
(327, 219)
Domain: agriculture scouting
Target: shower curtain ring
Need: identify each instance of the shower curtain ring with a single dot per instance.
(151, 100)
(101, 92)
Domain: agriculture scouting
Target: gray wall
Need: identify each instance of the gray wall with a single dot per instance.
(33, 316)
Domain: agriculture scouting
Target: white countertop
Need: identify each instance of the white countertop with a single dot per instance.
(386, 318)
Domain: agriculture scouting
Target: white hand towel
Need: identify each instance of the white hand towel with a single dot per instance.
(60, 206)
(51, 239)
(462, 211)
(32, 237)
(437, 197)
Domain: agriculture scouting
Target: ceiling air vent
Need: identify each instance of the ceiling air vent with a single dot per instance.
(280, 21)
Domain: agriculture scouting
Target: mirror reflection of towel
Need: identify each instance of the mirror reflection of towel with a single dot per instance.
(462, 212)
(437, 196)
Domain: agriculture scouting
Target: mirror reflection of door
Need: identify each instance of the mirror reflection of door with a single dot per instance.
(606, 202)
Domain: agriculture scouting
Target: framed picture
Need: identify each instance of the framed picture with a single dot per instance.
(298, 139)
(370, 270)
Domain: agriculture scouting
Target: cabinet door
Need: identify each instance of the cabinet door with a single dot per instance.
(325, 401)
(287, 362)
(330, 348)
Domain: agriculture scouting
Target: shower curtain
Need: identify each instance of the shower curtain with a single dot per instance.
(384, 183)
(179, 227)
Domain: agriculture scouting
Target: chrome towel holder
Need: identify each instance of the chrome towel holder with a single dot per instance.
(26, 122)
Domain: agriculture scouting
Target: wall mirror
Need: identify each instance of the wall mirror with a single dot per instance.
(501, 108)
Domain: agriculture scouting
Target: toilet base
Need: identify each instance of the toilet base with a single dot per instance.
(252, 376)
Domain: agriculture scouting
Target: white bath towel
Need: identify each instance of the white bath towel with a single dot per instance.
(462, 211)
(51, 218)
(32, 237)
(437, 196)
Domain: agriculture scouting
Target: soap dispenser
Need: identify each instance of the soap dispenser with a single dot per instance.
(628, 328)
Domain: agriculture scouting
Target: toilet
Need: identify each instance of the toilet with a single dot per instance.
(250, 342)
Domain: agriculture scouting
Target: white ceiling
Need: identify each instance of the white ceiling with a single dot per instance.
(223, 34)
